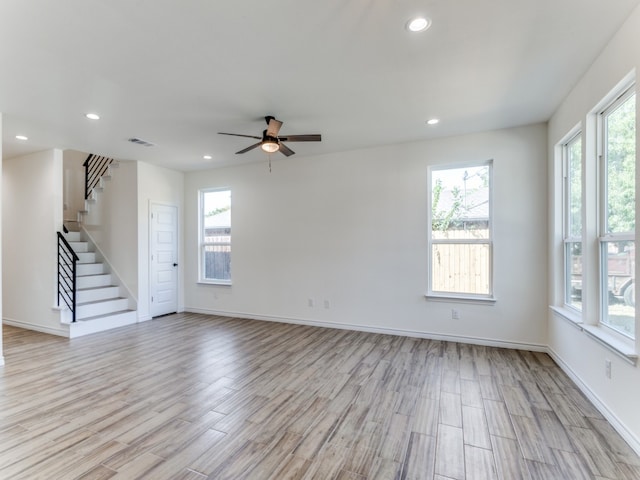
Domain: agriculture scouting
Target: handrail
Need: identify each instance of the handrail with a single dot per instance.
(95, 166)
(67, 260)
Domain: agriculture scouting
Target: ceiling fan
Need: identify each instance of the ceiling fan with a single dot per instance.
(270, 142)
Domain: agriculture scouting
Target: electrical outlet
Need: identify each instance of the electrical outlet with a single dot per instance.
(310, 302)
(327, 305)
(455, 314)
(607, 368)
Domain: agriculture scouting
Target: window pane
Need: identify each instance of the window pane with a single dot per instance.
(216, 235)
(573, 288)
(460, 203)
(217, 208)
(461, 268)
(619, 278)
(620, 155)
(217, 262)
(574, 200)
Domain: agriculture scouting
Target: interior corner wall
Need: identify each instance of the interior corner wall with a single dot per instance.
(73, 184)
(112, 223)
(163, 186)
(1, 202)
(580, 354)
(31, 216)
(347, 233)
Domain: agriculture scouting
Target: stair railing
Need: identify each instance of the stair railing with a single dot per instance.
(95, 166)
(67, 260)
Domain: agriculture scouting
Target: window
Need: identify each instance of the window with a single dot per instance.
(572, 166)
(215, 236)
(617, 155)
(460, 237)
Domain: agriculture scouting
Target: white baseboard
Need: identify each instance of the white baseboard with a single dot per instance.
(628, 436)
(61, 332)
(383, 330)
(144, 318)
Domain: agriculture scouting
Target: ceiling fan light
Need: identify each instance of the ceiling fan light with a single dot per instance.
(270, 147)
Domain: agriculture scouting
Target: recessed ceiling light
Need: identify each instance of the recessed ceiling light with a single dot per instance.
(92, 116)
(22, 137)
(207, 157)
(433, 121)
(418, 24)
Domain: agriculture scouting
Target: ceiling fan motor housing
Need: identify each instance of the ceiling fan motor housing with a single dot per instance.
(269, 138)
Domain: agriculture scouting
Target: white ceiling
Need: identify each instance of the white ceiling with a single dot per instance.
(176, 72)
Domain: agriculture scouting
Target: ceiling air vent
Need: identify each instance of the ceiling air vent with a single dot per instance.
(139, 141)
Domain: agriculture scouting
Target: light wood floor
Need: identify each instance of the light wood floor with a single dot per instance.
(191, 396)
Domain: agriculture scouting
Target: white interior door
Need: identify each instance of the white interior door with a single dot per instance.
(164, 259)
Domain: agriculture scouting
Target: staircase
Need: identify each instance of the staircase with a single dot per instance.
(101, 301)
(97, 173)
(100, 305)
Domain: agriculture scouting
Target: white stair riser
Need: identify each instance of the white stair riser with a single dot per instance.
(101, 308)
(72, 236)
(95, 294)
(89, 269)
(79, 246)
(92, 281)
(86, 257)
(86, 327)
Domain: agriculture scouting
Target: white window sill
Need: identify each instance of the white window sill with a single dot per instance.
(619, 345)
(572, 316)
(215, 282)
(622, 347)
(460, 299)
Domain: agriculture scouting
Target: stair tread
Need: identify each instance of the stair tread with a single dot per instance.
(89, 289)
(104, 300)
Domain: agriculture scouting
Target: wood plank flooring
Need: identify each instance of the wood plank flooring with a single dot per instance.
(191, 397)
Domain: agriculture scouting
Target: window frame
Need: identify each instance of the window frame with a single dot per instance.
(605, 237)
(489, 241)
(204, 244)
(568, 238)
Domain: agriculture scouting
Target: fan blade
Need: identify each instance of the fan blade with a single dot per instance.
(302, 138)
(249, 148)
(274, 127)
(286, 150)
(240, 135)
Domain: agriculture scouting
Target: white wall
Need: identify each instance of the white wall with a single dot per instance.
(164, 186)
(1, 203)
(112, 223)
(73, 184)
(351, 229)
(31, 216)
(579, 353)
